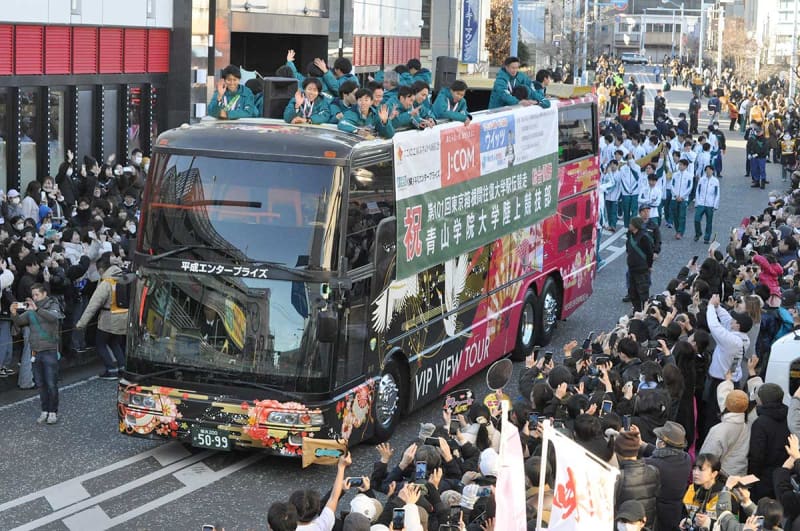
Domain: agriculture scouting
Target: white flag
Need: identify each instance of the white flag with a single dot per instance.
(509, 493)
(583, 496)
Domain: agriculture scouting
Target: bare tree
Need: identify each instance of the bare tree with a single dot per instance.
(498, 31)
(739, 48)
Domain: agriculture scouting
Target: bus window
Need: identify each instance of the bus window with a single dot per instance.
(586, 233)
(567, 240)
(371, 199)
(576, 132)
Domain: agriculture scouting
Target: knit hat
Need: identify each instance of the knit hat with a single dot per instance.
(637, 222)
(364, 505)
(736, 401)
(356, 522)
(627, 444)
(788, 298)
(489, 462)
(631, 511)
(770, 393)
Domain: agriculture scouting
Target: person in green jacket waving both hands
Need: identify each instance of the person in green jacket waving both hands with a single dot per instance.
(365, 120)
(232, 99)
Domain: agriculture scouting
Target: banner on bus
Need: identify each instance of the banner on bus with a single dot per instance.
(461, 187)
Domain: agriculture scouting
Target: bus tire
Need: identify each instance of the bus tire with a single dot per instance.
(526, 329)
(387, 405)
(548, 312)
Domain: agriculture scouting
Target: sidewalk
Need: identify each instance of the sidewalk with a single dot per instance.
(80, 363)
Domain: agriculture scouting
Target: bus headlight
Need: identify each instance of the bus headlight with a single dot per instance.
(140, 401)
(294, 418)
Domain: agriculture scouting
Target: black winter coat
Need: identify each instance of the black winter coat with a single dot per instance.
(674, 466)
(767, 438)
(639, 481)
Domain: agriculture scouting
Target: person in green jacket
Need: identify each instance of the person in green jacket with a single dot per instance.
(341, 73)
(402, 110)
(450, 103)
(345, 101)
(418, 73)
(232, 99)
(308, 106)
(364, 120)
(508, 79)
(423, 103)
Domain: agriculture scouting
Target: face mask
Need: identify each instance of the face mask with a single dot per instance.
(47, 226)
(137, 160)
(19, 226)
(621, 526)
(132, 229)
(146, 168)
(117, 172)
(641, 378)
(15, 200)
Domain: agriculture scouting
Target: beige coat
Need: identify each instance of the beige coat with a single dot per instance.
(113, 323)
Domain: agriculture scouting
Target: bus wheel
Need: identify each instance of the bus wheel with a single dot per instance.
(388, 402)
(527, 328)
(549, 310)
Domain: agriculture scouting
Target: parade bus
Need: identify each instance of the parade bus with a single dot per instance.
(297, 282)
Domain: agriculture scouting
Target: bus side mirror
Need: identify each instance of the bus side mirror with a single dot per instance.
(385, 245)
(327, 327)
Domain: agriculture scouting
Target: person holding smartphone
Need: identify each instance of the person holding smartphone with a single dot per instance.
(307, 502)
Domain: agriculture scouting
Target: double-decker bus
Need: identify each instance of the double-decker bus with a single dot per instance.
(299, 282)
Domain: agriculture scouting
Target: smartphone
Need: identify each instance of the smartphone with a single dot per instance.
(421, 470)
(399, 518)
(626, 422)
(455, 515)
(694, 259)
(601, 360)
(209, 528)
(606, 407)
(484, 492)
(454, 426)
(432, 441)
(533, 421)
(759, 522)
(355, 482)
(559, 424)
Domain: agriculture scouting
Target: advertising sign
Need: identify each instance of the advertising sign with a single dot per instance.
(471, 10)
(461, 187)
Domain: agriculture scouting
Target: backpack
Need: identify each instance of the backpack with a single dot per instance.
(121, 292)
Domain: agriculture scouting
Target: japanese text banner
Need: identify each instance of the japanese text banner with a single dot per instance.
(462, 187)
(583, 496)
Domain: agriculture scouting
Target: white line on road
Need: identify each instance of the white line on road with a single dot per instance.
(113, 493)
(36, 397)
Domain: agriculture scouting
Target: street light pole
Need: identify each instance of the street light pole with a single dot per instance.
(702, 36)
(683, 28)
(792, 72)
(514, 27)
(672, 49)
(720, 31)
(585, 36)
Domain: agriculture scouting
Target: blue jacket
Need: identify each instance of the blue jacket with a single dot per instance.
(300, 77)
(404, 117)
(423, 74)
(258, 101)
(444, 107)
(319, 112)
(353, 120)
(239, 104)
(504, 84)
(331, 83)
(338, 106)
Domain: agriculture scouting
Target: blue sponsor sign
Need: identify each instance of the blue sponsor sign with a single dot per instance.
(470, 36)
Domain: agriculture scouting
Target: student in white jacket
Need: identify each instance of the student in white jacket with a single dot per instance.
(681, 188)
(706, 202)
(609, 181)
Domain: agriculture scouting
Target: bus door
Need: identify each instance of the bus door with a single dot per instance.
(370, 200)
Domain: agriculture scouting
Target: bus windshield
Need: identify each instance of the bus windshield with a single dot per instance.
(228, 330)
(230, 210)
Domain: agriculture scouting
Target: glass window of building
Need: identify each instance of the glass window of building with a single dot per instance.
(135, 121)
(110, 121)
(155, 109)
(28, 134)
(85, 113)
(56, 135)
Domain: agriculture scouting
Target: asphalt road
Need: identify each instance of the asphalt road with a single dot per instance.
(81, 474)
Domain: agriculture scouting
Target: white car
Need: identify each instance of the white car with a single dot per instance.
(784, 364)
(634, 58)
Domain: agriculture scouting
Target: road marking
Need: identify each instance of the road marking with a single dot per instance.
(36, 397)
(113, 493)
(94, 518)
(164, 454)
(183, 491)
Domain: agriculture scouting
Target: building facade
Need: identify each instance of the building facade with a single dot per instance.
(86, 75)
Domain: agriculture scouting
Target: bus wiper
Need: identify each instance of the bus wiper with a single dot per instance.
(265, 387)
(157, 373)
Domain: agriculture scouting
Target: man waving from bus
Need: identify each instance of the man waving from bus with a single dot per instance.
(509, 78)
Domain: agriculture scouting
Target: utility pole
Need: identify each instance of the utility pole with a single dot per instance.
(792, 73)
(585, 37)
(720, 31)
(702, 36)
(514, 26)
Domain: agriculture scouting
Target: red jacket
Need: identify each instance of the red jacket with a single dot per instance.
(769, 274)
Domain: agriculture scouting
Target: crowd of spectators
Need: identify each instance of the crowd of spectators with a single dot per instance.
(674, 396)
(67, 233)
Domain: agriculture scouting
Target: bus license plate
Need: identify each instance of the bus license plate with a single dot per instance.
(210, 438)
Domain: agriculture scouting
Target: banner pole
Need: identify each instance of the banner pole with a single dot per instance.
(542, 472)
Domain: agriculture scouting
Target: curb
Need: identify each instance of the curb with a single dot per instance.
(67, 362)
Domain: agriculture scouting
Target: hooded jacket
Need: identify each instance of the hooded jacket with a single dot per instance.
(731, 345)
(113, 323)
(730, 440)
(674, 466)
(769, 274)
(504, 84)
(767, 439)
